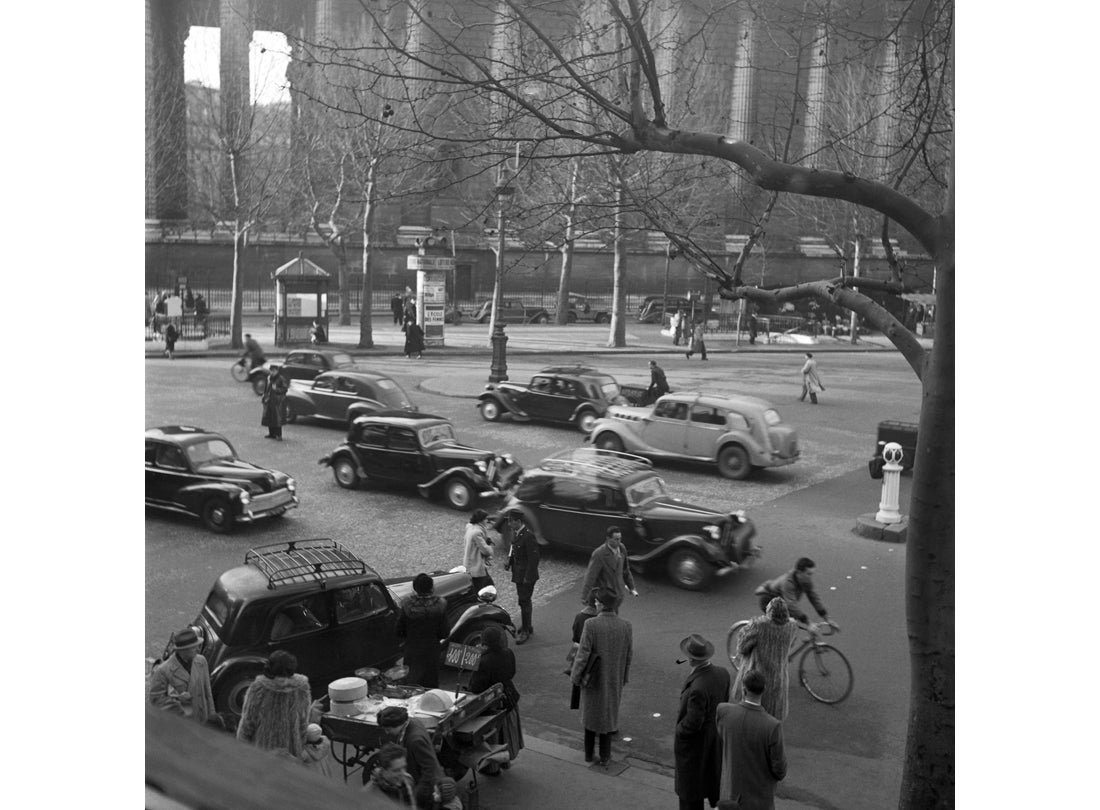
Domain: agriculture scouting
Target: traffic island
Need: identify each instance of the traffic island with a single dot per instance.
(868, 526)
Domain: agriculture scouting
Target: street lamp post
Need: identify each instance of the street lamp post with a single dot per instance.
(498, 371)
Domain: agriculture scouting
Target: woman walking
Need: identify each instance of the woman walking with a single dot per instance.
(276, 707)
(698, 331)
(414, 338)
(811, 383)
(601, 669)
(764, 646)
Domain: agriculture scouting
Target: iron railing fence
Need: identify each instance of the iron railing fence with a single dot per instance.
(190, 327)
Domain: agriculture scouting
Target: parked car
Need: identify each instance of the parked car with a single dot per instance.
(512, 310)
(321, 602)
(674, 302)
(345, 395)
(575, 395)
(306, 364)
(420, 450)
(739, 434)
(570, 499)
(197, 472)
(582, 309)
(654, 312)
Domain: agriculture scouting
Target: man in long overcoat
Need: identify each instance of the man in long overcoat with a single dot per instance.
(753, 759)
(696, 746)
(273, 398)
(610, 639)
(608, 568)
(523, 562)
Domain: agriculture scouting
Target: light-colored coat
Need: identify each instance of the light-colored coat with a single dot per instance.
(276, 713)
(612, 639)
(765, 646)
(753, 760)
(476, 551)
(607, 569)
(810, 380)
(174, 689)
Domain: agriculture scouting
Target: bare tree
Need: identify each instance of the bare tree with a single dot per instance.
(624, 85)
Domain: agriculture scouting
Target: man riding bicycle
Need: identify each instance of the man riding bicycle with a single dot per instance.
(790, 587)
(253, 352)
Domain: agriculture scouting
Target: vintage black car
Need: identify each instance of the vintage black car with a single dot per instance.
(197, 472)
(321, 602)
(571, 498)
(512, 310)
(344, 395)
(574, 395)
(305, 364)
(420, 449)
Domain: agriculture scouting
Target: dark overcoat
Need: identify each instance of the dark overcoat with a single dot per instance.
(612, 639)
(422, 623)
(273, 397)
(696, 746)
(524, 555)
(607, 569)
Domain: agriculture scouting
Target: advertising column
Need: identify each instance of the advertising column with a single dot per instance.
(431, 294)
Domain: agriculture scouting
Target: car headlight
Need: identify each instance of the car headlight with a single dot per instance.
(291, 484)
(507, 458)
(714, 531)
(739, 515)
(481, 466)
(244, 496)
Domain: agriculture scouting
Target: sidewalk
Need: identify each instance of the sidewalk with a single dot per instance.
(473, 339)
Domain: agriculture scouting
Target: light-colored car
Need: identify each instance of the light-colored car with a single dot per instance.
(738, 433)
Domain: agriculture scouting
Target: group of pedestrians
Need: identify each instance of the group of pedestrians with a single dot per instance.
(692, 333)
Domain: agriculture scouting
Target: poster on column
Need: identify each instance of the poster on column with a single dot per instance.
(431, 294)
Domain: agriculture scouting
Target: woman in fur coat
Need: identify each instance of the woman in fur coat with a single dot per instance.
(276, 707)
(765, 645)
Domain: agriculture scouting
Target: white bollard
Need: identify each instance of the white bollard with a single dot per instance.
(891, 482)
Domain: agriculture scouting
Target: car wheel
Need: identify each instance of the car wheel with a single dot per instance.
(473, 635)
(586, 420)
(572, 317)
(343, 470)
(490, 410)
(688, 570)
(733, 462)
(217, 514)
(458, 493)
(259, 384)
(602, 317)
(543, 318)
(483, 319)
(609, 441)
(230, 698)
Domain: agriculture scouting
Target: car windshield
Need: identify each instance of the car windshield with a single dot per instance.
(391, 393)
(343, 360)
(436, 434)
(771, 416)
(645, 490)
(610, 389)
(210, 451)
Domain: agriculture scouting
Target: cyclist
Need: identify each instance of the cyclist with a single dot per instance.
(253, 352)
(790, 587)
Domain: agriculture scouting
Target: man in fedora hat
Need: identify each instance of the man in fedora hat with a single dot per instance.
(696, 746)
(398, 727)
(182, 683)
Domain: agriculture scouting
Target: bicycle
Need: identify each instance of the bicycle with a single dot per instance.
(823, 670)
(242, 372)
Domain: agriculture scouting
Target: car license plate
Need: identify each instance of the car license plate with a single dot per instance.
(462, 656)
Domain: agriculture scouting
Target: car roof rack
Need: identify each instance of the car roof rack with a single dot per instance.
(304, 561)
(596, 461)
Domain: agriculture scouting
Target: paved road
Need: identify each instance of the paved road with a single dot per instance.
(397, 532)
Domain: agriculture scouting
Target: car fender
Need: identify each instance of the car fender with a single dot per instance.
(531, 317)
(631, 441)
(343, 450)
(478, 482)
(501, 399)
(364, 407)
(477, 613)
(710, 550)
(586, 406)
(226, 669)
(757, 455)
(205, 489)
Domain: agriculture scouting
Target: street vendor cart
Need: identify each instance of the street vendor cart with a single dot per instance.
(472, 728)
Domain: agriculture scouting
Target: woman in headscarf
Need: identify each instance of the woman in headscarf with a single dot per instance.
(765, 645)
(498, 665)
(276, 707)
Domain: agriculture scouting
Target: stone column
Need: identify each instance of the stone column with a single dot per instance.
(742, 98)
(889, 510)
(165, 111)
(816, 84)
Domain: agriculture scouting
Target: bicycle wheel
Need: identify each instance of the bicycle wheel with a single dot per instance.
(240, 371)
(825, 673)
(733, 640)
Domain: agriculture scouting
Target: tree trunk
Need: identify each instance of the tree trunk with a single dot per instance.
(617, 339)
(343, 281)
(928, 780)
(236, 305)
(565, 281)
